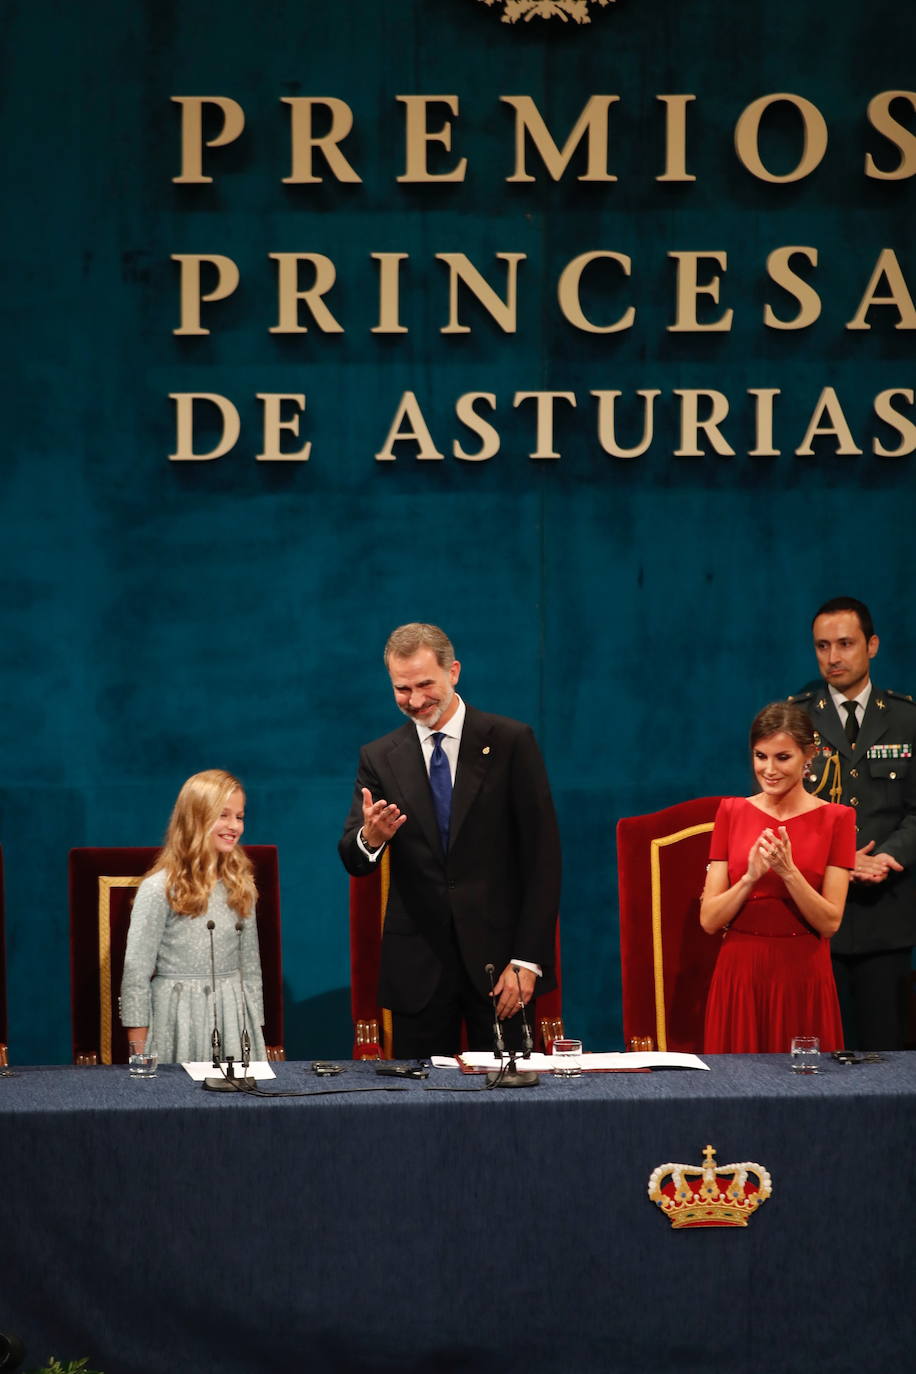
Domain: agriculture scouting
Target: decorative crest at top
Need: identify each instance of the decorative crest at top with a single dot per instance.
(708, 1194)
(577, 10)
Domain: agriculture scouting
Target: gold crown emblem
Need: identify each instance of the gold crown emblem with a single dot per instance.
(577, 10)
(708, 1194)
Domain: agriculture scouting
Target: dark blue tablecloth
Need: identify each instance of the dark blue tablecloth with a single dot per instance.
(156, 1227)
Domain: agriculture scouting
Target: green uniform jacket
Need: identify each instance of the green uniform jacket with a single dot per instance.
(877, 777)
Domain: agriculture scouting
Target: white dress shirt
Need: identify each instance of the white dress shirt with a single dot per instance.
(861, 702)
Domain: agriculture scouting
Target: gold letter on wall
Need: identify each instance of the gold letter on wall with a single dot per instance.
(460, 268)
(273, 424)
(288, 293)
(607, 430)
(227, 279)
(464, 409)
(828, 405)
(418, 136)
(408, 411)
(568, 294)
(689, 287)
(747, 132)
(593, 121)
(192, 138)
(904, 427)
(886, 266)
(781, 273)
(304, 141)
(675, 137)
(879, 114)
(184, 426)
(543, 446)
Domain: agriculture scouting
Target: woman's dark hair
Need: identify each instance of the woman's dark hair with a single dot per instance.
(783, 718)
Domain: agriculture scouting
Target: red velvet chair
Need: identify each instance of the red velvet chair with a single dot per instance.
(103, 884)
(666, 957)
(372, 1035)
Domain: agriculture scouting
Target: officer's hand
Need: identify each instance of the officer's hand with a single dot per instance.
(874, 868)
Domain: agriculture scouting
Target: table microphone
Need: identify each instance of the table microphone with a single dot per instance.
(527, 1041)
(508, 1074)
(499, 1044)
(226, 1082)
(215, 1039)
(246, 1038)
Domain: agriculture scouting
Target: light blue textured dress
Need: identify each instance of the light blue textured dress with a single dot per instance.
(167, 984)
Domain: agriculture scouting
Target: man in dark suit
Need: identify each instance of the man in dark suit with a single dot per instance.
(462, 802)
(865, 759)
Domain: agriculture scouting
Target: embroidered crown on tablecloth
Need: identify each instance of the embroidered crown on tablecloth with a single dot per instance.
(708, 1194)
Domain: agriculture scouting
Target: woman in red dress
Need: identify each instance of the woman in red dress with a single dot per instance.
(775, 891)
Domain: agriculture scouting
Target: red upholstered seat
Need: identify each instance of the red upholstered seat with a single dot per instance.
(103, 883)
(372, 1038)
(666, 958)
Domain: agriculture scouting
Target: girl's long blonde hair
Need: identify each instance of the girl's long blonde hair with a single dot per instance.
(189, 858)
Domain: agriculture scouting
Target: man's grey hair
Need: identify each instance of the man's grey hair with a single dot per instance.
(407, 640)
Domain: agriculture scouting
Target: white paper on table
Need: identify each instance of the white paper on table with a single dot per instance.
(655, 1059)
(201, 1069)
(589, 1063)
(444, 1061)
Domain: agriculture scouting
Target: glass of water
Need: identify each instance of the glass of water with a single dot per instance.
(567, 1058)
(142, 1061)
(805, 1054)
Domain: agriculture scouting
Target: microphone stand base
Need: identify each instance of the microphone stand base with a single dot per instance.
(513, 1078)
(229, 1085)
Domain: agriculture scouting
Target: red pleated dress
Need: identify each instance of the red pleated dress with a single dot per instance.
(773, 979)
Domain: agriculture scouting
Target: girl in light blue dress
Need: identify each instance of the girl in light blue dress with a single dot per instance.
(202, 875)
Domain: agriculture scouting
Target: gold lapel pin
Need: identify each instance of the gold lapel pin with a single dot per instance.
(486, 749)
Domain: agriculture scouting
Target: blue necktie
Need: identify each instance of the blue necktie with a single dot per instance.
(440, 782)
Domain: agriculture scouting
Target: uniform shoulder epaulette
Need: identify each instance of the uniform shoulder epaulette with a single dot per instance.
(899, 696)
(798, 698)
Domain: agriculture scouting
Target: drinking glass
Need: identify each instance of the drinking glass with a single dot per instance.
(567, 1057)
(142, 1061)
(805, 1054)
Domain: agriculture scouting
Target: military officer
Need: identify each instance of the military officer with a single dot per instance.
(865, 759)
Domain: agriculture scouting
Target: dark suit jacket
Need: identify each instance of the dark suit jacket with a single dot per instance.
(498, 887)
(878, 781)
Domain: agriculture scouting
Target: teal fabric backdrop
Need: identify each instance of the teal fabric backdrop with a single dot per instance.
(160, 617)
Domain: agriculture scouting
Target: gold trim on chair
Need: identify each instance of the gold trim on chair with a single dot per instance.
(106, 996)
(658, 969)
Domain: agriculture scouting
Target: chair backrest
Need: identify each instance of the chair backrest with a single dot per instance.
(372, 1033)
(666, 957)
(103, 883)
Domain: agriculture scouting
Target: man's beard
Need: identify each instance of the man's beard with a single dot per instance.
(434, 720)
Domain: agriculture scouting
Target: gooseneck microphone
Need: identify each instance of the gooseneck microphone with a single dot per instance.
(499, 1044)
(226, 1082)
(527, 1041)
(246, 1038)
(215, 1040)
(508, 1075)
